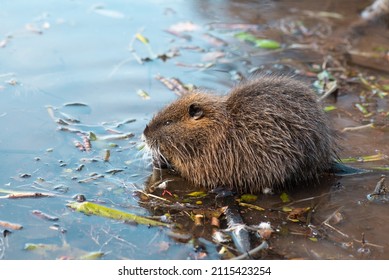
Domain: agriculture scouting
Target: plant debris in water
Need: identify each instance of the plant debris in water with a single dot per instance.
(258, 42)
(10, 225)
(17, 195)
(381, 191)
(90, 208)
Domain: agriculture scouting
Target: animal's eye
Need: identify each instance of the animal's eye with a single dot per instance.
(168, 122)
(195, 111)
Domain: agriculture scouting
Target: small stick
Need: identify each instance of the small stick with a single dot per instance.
(154, 196)
(335, 229)
(370, 125)
(325, 222)
(305, 199)
(10, 225)
(333, 214)
(27, 195)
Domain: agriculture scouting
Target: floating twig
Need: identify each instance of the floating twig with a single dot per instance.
(10, 225)
(91, 178)
(15, 195)
(332, 227)
(370, 125)
(153, 196)
(44, 216)
(122, 136)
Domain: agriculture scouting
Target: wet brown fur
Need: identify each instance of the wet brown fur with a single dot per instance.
(266, 133)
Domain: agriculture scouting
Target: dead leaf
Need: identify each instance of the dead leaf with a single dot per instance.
(298, 214)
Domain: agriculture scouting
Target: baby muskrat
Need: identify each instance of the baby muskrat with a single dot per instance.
(267, 133)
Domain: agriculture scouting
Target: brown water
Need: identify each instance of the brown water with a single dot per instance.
(55, 54)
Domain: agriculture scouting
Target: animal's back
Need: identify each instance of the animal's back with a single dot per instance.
(280, 130)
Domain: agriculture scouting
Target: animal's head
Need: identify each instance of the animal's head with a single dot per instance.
(184, 129)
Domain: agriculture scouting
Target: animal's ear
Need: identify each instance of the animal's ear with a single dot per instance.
(195, 111)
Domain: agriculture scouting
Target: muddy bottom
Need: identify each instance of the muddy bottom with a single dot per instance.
(80, 80)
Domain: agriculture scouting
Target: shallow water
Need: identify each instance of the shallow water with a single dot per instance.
(55, 54)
